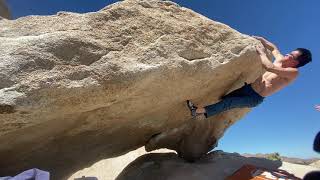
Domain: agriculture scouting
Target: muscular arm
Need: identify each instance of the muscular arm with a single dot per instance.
(273, 48)
(277, 55)
(289, 73)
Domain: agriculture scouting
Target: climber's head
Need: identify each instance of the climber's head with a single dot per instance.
(297, 58)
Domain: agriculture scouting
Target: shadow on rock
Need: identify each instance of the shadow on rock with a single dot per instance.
(86, 178)
(217, 165)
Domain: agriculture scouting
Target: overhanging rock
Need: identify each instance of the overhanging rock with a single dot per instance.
(77, 88)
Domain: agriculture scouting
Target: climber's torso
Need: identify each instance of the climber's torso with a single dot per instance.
(270, 83)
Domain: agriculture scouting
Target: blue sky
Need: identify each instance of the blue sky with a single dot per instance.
(287, 121)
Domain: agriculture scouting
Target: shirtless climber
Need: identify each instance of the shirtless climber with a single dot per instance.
(280, 73)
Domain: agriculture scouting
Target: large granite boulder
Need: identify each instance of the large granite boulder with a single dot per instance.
(77, 88)
(4, 11)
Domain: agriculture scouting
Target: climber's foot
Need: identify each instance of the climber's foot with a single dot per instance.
(192, 108)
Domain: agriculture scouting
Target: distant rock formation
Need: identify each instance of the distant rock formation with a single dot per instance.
(4, 11)
(77, 88)
(286, 159)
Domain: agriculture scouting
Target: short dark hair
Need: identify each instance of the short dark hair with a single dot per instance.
(304, 57)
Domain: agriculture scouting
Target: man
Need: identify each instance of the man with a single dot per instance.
(279, 74)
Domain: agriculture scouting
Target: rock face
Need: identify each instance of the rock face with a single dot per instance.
(77, 88)
(4, 11)
(216, 165)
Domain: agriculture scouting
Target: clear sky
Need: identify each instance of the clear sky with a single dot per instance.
(287, 121)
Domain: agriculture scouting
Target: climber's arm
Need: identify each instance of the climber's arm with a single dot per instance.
(270, 46)
(289, 73)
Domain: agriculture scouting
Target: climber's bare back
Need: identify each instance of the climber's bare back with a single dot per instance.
(270, 83)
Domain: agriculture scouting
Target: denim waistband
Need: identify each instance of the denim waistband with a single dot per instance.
(252, 91)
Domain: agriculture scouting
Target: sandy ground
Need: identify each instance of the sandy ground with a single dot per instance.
(109, 169)
(316, 164)
(297, 169)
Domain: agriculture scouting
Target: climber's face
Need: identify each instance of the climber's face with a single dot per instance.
(290, 60)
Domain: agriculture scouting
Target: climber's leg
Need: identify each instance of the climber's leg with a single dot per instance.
(241, 98)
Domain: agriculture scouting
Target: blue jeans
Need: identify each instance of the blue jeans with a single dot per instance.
(245, 97)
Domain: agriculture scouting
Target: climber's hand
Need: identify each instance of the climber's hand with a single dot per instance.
(261, 50)
(267, 44)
